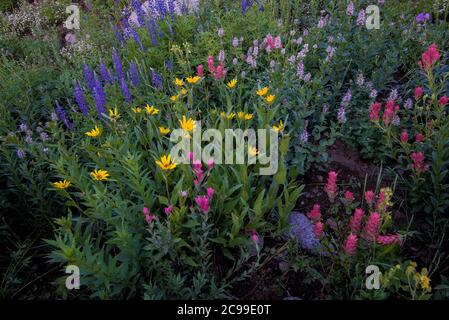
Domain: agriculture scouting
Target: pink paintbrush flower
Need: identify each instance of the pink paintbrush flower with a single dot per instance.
(356, 221)
(350, 246)
(315, 214)
(371, 229)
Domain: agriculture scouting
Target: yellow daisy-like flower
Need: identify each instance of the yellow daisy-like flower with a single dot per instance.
(136, 110)
(165, 163)
(228, 116)
(99, 175)
(151, 110)
(193, 80)
(187, 124)
(241, 115)
(163, 130)
(252, 151)
(231, 84)
(94, 133)
(279, 127)
(179, 82)
(248, 116)
(113, 114)
(262, 92)
(174, 98)
(425, 282)
(61, 185)
(183, 91)
(270, 98)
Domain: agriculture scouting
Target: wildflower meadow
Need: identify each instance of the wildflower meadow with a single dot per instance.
(224, 150)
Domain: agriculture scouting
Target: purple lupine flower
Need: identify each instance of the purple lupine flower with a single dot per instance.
(221, 56)
(360, 79)
(300, 70)
(156, 80)
(373, 94)
(105, 75)
(361, 18)
(346, 98)
(393, 95)
(44, 136)
(117, 64)
(246, 5)
(302, 230)
(99, 89)
(330, 53)
(341, 116)
(422, 17)
(162, 10)
(235, 42)
(23, 127)
(80, 99)
(308, 77)
(63, 117)
(304, 137)
(350, 9)
(139, 12)
(125, 90)
(133, 33)
(220, 32)
(118, 36)
(408, 104)
(325, 108)
(89, 77)
(134, 74)
(20, 153)
(168, 65)
(151, 27)
(171, 8)
(396, 120)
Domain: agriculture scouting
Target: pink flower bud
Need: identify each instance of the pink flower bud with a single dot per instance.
(389, 239)
(318, 230)
(419, 137)
(210, 192)
(203, 203)
(145, 211)
(350, 246)
(315, 214)
(200, 70)
(356, 221)
(254, 236)
(168, 210)
(404, 136)
(369, 197)
(372, 227)
(349, 196)
(443, 101)
(210, 163)
(418, 92)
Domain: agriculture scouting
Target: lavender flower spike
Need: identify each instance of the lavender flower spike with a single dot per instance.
(117, 65)
(134, 75)
(63, 117)
(80, 99)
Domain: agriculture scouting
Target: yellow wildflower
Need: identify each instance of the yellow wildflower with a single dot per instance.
(183, 91)
(193, 80)
(179, 82)
(99, 175)
(425, 282)
(262, 92)
(252, 151)
(241, 115)
(136, 109)
(113, 114)
(151, 110)
(279, 127)
(187, 124)
(174, 98)
(61, 185)
(231, 84)
(270, 98)
(165, 163)
(94, 133)
(248, 116)
(163, 130)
